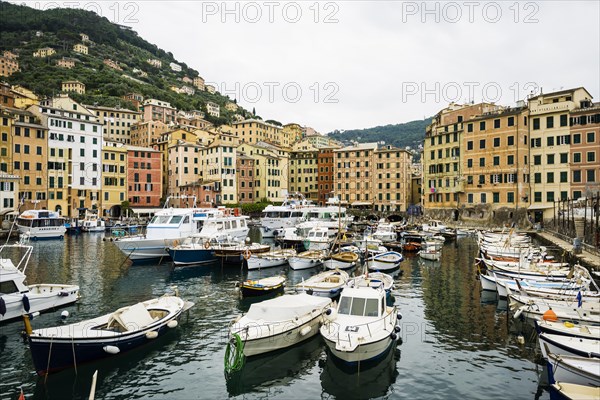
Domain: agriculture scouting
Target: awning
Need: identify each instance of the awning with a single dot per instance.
(539, 207)
(361, 203)
(145, 210)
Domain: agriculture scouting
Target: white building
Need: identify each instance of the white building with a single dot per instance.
(213, 109)
(9, 189)
(175, 67)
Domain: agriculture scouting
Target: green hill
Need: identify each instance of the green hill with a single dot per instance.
(60, 29)
(409, 134)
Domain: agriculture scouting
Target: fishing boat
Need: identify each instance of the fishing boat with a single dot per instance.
(233, 251)
(583, 331)
(319, 238)
(41, 224)
(16, 298)
(326, 284)
(271, 259)
(91, 223)
(577, 370)
(362, 327)
(263, 286)
(279, 323)
(388, 261)
(65, 346)
(307, 259)
(342, 260)
(193, 250)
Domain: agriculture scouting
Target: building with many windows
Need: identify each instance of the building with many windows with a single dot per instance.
(145, 188)
(145, 134)
(9, 188)
(116, 122)
(114, 178)
(254, 131)
(584, 156)
(245, 178)
(157, 110)
(270, 170)
(8, 64)
(73, 86)
(303, 170)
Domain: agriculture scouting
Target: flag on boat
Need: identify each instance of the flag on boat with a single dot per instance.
(579, 299)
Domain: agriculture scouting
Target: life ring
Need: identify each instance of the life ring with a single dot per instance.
(206, 245)
(247, 254)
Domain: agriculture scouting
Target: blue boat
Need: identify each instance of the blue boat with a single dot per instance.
(194, 250)
(388, 261)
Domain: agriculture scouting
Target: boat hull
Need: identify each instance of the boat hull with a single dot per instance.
(304, 263)
(362, 353)
(573, 370)
(54, 232)
(259, 262)
(337, 264)
(41, 298)
(192, 257)
(145, 249)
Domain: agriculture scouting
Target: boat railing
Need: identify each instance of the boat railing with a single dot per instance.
(340, 335)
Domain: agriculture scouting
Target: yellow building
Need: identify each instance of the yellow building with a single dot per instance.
(145, 134)
(550, 143)
(199, 82)
(66, 62)
(254, 131)
(117, 122)
(303, 170)
(24, 97)
(80, 48)
(73, 86)
(114, 178)
(270, 175)
(165, 142)
(353, 174)
(44, 52)
(392, 179)
(8, 65)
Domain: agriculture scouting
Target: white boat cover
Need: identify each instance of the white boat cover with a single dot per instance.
(286, 307)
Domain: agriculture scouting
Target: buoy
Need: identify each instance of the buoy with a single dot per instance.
(304, 331)
(111, 349)
(568, 324)
(550, 315)
(206, 245)
(172, 324)
(2, 307)
(331, 314)
(26, 305)
(151, 335)
(64, 314)
(521, 339)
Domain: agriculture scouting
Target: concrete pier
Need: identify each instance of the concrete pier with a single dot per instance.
(586, 257)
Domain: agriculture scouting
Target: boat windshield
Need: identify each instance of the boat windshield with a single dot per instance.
(359, 306)
(176, 219)
(160, 219)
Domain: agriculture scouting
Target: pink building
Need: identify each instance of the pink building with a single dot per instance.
(144, 180)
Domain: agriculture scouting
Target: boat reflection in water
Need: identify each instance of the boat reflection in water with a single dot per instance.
(278, 368)
(360, 382)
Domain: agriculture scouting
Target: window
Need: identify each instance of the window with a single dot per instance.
(82, 152)
(470, 163)
(591, 175)
(563, 176)
(537, 197)
(497, 142)
(510, 197)
(511, 121)
(576, 138)
(482, 144)
(550, 159)
(470, 198)
(550, 140)
(536, 125)
(469, 145)
(576, 157)
(496, 123)
(591, 137)
(469, 127)
(496, 197)
(564, 158)
(564, 195)
(537, 177)
(576, 176)
(510, 140)
(482, 126)
(563, 120)
(483, 198)
(550, 122)
(537, 160)
(510, 160)
(482, 162)
(550, 177)
(496, 160)
(550, 196)
(591, 156)
(576, 194)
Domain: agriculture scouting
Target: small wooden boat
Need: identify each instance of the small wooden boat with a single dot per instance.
(387, 261)
(280, 322)
(325, 284)
(263, 286)
(61, 347)
(235, 252)
(569, 346)
(583, 331)
(271, 259)
(571, 391)
(430, 254)
(307, 259)
(342, 260)
(578, 370)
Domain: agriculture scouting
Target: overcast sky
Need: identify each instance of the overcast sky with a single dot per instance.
(358, 64)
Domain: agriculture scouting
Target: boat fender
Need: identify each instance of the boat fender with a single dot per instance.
(309, 292)
(207, 245)
(305, 331)
(2, 307)
(26, 305)
(330, 314)
(399, 316)
(172, 324)
(518, 313)
(63, 294)
(396, 329)
(64, 314)
(393, 336)
(151, 335)
(247, 254)
(521, 339)
(550, 315)
(111, 349)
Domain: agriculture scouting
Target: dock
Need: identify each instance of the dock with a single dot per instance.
(585, 257)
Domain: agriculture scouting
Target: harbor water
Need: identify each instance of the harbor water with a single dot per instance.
(456, 341)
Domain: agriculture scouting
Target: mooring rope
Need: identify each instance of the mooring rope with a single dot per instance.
(234, 358)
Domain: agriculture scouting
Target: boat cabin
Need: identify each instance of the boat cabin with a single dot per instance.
(362, 302)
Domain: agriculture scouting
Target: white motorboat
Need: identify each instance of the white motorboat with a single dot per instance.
(430, 254)
(320, 238)
(326, 284)
(583, 331)
(373, 280)
(91, 223)
(307, 259)
(271, 259)
(388, 261)
(41, 224)
(362, 327)
(275, 219)
(280, 322)
(385, 232)
(341, 260)
(63, 346)
(434, 227)
(535, 308)
(16, 298)
(167, 228)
